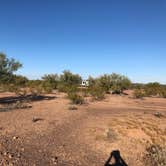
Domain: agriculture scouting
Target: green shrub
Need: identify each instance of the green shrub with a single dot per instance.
(85, 92)
(51, 80)
(138, 94)
(152, 89)
(75, 98)
(63, 87)
(156, 156)
(46, 87)
(104, 82)
(119, 83)
(7, 67)
(70, 79)
(163, 93)
(97, 92)
(116, 89)
(115, 82)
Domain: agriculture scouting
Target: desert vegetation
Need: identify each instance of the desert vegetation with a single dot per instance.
(106, 99)
(156, 155)
(69, 83)
(150, 90)
(66, 82)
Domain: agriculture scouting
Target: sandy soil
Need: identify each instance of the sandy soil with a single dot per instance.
(84, 137)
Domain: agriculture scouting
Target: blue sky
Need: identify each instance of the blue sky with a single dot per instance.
(89, 37)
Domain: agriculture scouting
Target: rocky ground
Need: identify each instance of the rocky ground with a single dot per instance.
(51, 134)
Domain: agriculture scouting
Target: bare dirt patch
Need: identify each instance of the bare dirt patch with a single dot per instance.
(82, 137)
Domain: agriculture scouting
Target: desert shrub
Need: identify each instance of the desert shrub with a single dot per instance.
(152, 89)
(138, 94)
(75, 98)
(116, 89)
(51, 80)
(91, 81)
(36, 91)
(7, 68)
(114, 82)
(156, 156)
(46, 87)
(163, 93)
(119, 83)
(35, 87)
(97, 92)
(19, 81)
(85, 92)
(69, 79)
(72, 89)
(104, 82)
(62, 87)
(137, 86)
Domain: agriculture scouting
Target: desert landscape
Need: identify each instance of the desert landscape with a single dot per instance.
(82, 83)
(51, 134)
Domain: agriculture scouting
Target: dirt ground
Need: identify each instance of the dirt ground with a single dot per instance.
(51, 134)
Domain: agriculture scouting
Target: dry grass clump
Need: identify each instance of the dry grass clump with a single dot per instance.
(72, 108)
(156, 155)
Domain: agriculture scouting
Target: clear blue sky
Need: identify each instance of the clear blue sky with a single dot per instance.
(89, 37)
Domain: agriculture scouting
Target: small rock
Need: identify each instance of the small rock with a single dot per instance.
(14, 138)
(10, 156)
(22, 149)
(158, 114)
(5, 153)
(40, 151)
(55, 160)
(34, 120)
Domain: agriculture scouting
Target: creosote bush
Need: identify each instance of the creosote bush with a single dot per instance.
(138, 94)
(152, 89)
(63, 87)
(75, 98)
(163, 93)
(97, 92)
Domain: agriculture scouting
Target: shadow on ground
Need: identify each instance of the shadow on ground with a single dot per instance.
(116, 159)
(14, 99)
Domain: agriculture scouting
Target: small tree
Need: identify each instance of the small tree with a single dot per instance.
(105, 82)
(119, 83)
(69, 78)
(7, 68)
(51, 80)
